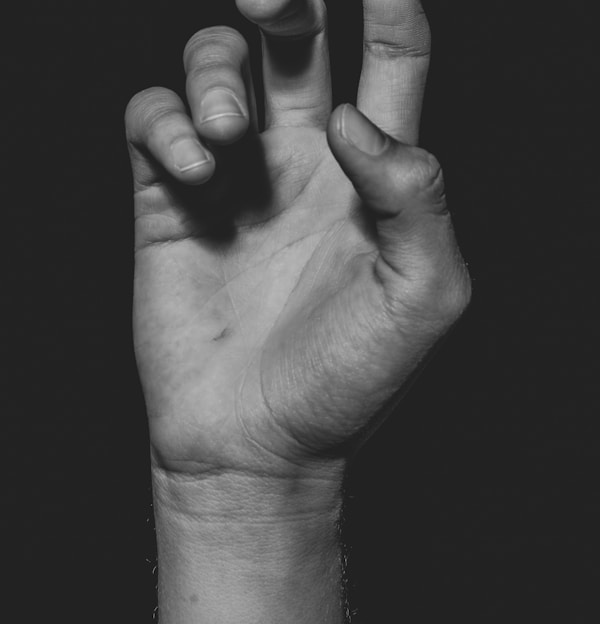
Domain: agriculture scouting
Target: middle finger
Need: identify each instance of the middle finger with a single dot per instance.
(295, 60)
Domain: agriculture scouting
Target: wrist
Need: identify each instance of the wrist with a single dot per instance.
(240, 496)
(246, 548)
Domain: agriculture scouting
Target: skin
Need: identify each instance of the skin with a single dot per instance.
(290, 279)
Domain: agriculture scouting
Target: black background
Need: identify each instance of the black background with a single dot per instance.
(479, 500)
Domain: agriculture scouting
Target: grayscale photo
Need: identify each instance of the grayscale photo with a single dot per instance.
(302, 312)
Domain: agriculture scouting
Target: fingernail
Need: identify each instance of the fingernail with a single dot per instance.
(218, 103)
(188, 154)
(360, 132)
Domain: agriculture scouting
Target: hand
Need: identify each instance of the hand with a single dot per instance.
(288, 282)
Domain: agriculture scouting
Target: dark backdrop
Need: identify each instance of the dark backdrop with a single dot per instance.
(478, 501)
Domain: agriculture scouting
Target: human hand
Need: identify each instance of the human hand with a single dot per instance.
(287, 282)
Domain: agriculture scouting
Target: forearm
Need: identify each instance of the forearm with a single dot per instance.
(242, 549)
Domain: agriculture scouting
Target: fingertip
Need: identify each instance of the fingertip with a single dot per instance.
(390, 176)
(349, 127)
(360, 148)
(222, 116)
(333, 127)
(336, 141)
(224, 129)
(336, 120)
(197, 175)
(192, 162)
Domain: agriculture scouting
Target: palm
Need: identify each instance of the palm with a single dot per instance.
(228, 322)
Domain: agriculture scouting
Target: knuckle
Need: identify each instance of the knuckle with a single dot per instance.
(445, 298)
(456, 298)
(143, 105)
(432, 310)
(155, 118)
(213, 70)
(213, 43)
(422, 173)
(434, 295)
(394, 50)
(401, 33)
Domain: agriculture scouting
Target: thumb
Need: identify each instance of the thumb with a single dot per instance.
(401, 188)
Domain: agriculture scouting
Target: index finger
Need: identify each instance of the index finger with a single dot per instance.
(395, 64)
